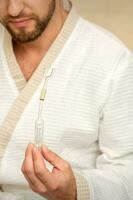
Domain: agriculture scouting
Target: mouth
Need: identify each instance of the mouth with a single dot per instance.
(20, 23)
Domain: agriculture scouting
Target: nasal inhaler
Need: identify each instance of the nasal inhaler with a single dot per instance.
(39, 122)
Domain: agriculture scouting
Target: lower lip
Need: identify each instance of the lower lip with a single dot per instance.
(21, 24)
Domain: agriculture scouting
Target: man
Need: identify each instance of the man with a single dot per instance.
(87, 151)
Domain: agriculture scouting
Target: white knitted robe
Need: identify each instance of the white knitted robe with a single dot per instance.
(88, 112)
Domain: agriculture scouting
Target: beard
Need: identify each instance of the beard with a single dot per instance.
(24, 36)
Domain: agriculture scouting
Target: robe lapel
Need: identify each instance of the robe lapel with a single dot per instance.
(27, 89)
(13, 66)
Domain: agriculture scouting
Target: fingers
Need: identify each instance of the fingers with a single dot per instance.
(54, 159)
(40, 168)
(40, 179)
(28, 171)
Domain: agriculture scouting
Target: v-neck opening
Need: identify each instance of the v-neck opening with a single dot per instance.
(12, 62)
(19, 105)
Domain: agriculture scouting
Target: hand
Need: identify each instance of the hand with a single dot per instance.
(60, 184)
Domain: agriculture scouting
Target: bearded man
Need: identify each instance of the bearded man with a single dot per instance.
(74, 141)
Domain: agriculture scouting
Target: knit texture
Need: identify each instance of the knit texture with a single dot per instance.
(88, 114)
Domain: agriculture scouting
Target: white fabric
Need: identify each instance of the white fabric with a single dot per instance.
(66, 5)
(88, 115)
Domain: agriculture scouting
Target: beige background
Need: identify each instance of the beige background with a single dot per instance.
(114, 15)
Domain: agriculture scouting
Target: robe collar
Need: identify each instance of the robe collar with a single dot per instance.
(27, 89)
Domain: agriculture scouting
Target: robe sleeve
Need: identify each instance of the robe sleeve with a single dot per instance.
(7, 196)
(113, 176)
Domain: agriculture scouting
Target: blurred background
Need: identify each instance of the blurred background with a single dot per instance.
(114, 15)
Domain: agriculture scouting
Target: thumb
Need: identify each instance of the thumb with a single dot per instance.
(53, 158)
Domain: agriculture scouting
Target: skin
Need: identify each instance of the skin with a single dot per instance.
(29, 54)
(60, 184)
(35, 24)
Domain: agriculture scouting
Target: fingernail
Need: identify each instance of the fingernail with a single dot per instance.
(39, 148)
(30, 145)
(35, 153)
(44, 148)
(35, 149)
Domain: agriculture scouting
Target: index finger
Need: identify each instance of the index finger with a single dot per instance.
(40, 168)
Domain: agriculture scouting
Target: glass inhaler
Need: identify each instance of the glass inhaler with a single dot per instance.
(39, 122)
